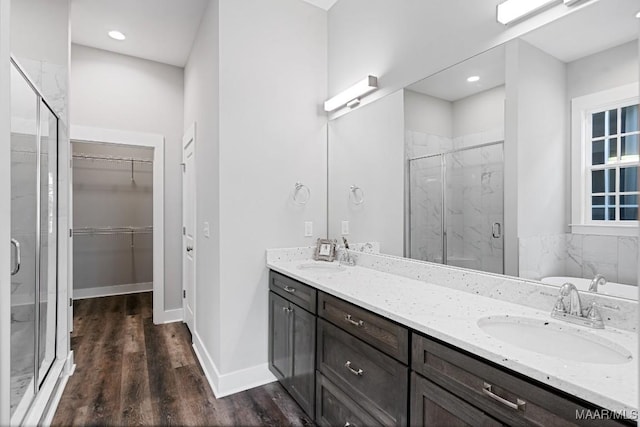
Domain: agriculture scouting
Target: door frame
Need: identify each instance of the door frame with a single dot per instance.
(149, 140)
(190, 135)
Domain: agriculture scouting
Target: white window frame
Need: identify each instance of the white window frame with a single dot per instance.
(581, 109)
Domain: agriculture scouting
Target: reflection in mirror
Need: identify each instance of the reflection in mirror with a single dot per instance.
(529, 168)
(590, 79)
(454, 134)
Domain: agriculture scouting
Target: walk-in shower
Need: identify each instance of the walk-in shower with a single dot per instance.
(34, 198)
(456, 207)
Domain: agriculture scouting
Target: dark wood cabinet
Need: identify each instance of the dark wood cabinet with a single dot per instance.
(376, 381)
(503, 395)
(433, 406)
(292, 346)
(348, 367)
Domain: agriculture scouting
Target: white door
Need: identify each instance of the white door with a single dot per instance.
(189, 227)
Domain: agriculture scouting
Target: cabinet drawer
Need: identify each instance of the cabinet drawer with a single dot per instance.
(434, 406)
(381, 333)
(378, 382)
(335, 408)
(298, 293)
(505, 395)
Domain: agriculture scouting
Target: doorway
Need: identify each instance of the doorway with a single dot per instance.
(134, 242)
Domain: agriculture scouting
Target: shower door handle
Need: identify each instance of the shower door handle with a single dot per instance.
(496, 230)
(16, 246)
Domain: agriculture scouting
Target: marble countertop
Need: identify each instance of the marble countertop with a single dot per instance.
(451, 315)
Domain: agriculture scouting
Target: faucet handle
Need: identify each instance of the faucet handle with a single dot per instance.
(559, 306)
(594, 316)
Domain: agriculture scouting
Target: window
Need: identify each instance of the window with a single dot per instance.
(605, 159)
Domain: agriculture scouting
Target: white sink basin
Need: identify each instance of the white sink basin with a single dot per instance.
(321, 266)
(554, 339)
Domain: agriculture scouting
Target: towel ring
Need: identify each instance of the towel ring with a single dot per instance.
(301, 194)
(356, 194)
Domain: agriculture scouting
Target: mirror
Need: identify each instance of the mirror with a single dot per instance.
(529, 170)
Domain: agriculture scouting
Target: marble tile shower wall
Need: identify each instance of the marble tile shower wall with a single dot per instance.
(474, 199)
(577, 255)
(23, 216)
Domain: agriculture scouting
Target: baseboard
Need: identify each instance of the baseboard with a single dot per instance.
(234, 382)
(169, 316)
(106, 291)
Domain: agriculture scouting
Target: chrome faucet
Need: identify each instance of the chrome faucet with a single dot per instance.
(345, 257)
(574, 313)
(598, 280)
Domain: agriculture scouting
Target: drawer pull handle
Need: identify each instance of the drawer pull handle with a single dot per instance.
(287, 310)
(520, 404)
(289, 289)
(357, 372)
(358, 323)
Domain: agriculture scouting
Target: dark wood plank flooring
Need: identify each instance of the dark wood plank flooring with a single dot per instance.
(132, 372)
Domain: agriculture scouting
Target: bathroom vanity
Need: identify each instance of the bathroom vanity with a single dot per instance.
(361, 346)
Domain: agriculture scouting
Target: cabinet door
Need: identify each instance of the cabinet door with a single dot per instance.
(279, 331)
(303, 339)
(433, 406)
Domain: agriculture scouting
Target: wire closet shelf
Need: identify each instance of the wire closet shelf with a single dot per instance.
(93, 231)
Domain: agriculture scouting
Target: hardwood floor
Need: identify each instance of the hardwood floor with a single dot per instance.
(132, 372)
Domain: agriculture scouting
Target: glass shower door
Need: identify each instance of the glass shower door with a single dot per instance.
(47, 307)
(24, 217)
(425, 209)
(34, 176)
(475, 208)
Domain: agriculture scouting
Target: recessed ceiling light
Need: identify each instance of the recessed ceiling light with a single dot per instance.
(638, 15)
(117, 35)
(473, 79)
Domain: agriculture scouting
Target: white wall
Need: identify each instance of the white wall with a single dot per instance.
(542, 141)
(482, 112)
(604, 70)
(371, 157)
(272, 134)
(201, 105)
(254, 83)
(428, 114)
(114, 91)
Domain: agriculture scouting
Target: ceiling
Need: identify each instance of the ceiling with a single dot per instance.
(159, 30)
(451, 84)
(600, 26)
(322, 4)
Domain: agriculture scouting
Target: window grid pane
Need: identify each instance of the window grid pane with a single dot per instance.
(615, 141)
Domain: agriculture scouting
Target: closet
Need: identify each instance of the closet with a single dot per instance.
(112, 217)
(34, 238)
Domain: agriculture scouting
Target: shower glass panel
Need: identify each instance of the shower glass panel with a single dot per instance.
(475, 208)
(24, 144)
(34, 196)
(48, 239)
(469, 183)
(426, 232)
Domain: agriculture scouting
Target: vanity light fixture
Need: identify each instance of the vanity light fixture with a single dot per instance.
(354, 93)
(117, 35)
(512, 10)
(473, 79)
